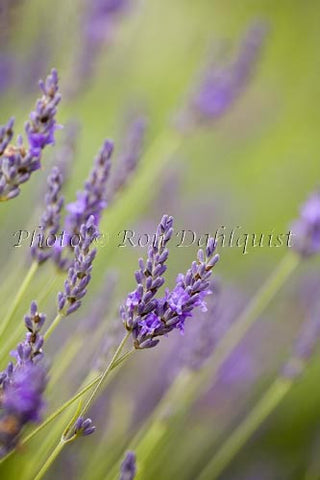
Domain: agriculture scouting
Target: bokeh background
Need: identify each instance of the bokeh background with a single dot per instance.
(251, 168)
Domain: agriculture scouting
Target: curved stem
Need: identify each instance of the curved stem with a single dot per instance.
(17, 299)
(105, 374)
(244, 431)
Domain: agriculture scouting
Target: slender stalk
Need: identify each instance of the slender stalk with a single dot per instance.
(68, 434)
(105, 374)
(244, 431)
(53, 326)
(45, 467)
(17, 299)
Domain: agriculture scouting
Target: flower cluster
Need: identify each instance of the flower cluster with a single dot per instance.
(50, 219)
(79, 273)
(222, 85)
(128, 467)
(84, 427)
(307, 228)
(148, 317)
(22, 384)
(18, 162)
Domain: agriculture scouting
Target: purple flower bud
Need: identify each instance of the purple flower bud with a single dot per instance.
(128, 467)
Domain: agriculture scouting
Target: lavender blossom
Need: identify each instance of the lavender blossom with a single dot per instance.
(148, 317)
(18, 162)
(305, 345)
(306, 229)
(50, 219)
(128, 467)
(84, 427)
(129, 156)
(79, 273)
(222, 85)
(22, 384)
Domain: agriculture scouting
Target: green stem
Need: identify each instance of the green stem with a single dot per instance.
(53, 326)
(105, 374)
(45, 467)
(15, 303)
(68, 434)
(244, 431)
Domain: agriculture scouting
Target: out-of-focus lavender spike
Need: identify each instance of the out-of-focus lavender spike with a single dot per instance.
(148, 317)
(306, 229)
(129, 156)
(64, 153)
(100, 305)
(209, 327)
(7, 65)
(221, 85)
(84, 427)
(305, 345)
(50, 219)
(79, 273)
(98, 24)
(92, 199)
(17, 163)
(22, 384)
(128, 467)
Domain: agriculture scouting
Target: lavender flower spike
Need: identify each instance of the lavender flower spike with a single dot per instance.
(129, 156)
(92, 199)
(128, 467)
(221, 85)
(18, 162)
(148, 317)
(306, 229)
(149, 277)
(79, 273)
(50, 220)
(84, 427)
(42, 124)
(22, 385)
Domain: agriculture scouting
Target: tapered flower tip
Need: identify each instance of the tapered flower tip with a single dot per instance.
(128, 467)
